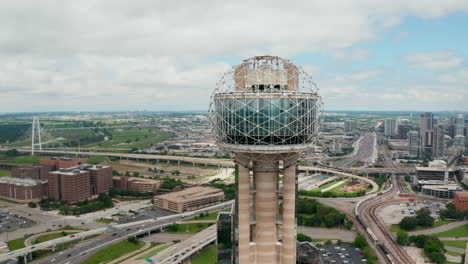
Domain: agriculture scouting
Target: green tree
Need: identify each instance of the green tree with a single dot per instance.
(32, 204)
(360, 241)
(132, 240)
(424, 217)
(402, 238)
(408, 223)
(12, 153)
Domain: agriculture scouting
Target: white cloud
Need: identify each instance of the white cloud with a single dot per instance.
(351, 54)
(439, 60)
(455, 77)
(111, 54)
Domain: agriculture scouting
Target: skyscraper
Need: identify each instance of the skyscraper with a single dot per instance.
(389, 127)
(426, 125)
(438, 146)
(459, 125)
(266, 111)
(402, 131)
(413, 144)
(459, 139)
(350, 125)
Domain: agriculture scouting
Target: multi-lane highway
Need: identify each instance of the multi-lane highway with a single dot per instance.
(365, 151)
(109, 235)
(178, 253)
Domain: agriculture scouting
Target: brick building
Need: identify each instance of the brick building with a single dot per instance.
(71, 184)
(22, 189)
(461, 201)
(100, 177)
(61, 163)
(190, 199)
(136, 184)
(38, 172)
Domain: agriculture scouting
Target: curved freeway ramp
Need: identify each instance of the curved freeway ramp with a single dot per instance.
(375, 187)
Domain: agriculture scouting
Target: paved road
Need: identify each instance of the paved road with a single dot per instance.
(459, 250)
(440, 228)
(185, 248)
(44, 221)
(365, 151)
(327, 233)
(83, 250)
(51, 220)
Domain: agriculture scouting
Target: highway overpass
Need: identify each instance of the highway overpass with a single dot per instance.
(131, 229)
(202, 161)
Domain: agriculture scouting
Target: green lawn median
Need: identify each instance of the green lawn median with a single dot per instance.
(207, 256)
(113, 252)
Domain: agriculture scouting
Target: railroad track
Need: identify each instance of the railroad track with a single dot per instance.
(393, 252)
(381, 236)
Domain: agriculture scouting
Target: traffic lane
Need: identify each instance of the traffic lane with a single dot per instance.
(75, 254)
(102, 241)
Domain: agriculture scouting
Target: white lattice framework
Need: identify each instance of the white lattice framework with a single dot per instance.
(36, 130)
(266, 105)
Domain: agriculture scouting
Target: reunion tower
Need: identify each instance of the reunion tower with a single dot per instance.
(266, 111)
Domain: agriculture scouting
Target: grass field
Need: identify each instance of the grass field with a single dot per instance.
(113, 252)
(48, 237)
(453, 253)
(156, 251)
(337, 188)
(395, 227)
(24, 160)
(210, 216)
(16, 244)
(103, 221)
(455, 243)
(10, 201)
(324, 186)
(207, 256)
(5, 172)
(461, 231)
(133, 138)
(188, 228)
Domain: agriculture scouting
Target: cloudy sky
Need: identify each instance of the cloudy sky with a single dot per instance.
(167, 55)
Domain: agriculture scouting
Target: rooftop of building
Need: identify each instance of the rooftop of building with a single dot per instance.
(434, 182)
(224, 216)
(434, 169)
(60, 158)
(450, 187)
(138, 180)
(193, 193)
(80, 169)
(461, 194)
(20, 181)
(306, 249)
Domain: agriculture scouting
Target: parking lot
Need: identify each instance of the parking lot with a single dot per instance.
(342, 254)
(10, 222)
(393, 214)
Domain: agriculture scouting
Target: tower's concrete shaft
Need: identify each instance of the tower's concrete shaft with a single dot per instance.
(266, 235)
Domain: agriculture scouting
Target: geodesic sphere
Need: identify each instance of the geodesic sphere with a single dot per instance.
(266, 105)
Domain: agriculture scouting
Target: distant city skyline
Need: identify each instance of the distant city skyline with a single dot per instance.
(119, 56)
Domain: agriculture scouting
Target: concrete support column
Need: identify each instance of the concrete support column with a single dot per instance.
(244, 215)
(289, 215)
(266, 208)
